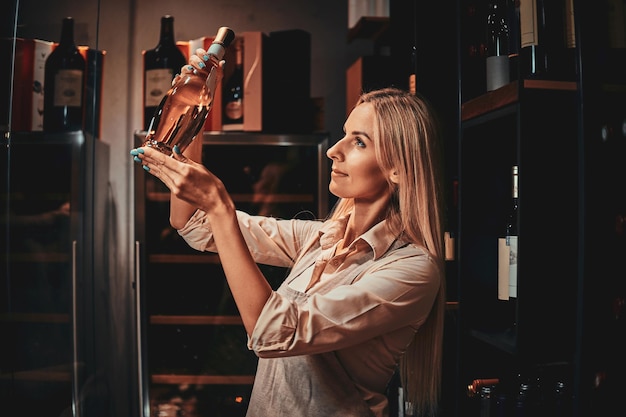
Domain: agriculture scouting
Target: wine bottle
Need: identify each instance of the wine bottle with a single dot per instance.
(543, 38)
(477, 384)
(232, 93)
(413, 71)
(497, 46)
(183, 110)
(507, 248)
(160, 64)
(64, 84)
(485, 401)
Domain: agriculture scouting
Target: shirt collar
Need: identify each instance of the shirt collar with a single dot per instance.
(378, 237)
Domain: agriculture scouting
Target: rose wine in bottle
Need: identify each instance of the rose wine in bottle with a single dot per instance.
(160, 66)
(183, 110)
(64, 84)
(232, 93)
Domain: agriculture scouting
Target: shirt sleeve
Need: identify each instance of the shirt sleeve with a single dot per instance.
(270, 240)
(398, 293)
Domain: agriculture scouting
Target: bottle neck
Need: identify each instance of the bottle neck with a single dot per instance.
(67, 33)
(167, 31)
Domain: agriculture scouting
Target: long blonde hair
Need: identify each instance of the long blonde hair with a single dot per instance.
(409, 144)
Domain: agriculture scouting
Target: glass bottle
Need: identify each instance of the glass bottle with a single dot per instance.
(183, 110)
(497, 47)
(64, 84)
(160, 65)
(232, 93)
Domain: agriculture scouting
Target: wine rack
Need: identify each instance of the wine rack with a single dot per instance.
(193, 341)
(556, 343)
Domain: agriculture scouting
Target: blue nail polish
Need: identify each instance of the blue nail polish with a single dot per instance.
(189, 67)
(205, 57)
(136, 159)
(134, 152)
(201, 65)
(146, 167)
(140, 150)
(176, 149)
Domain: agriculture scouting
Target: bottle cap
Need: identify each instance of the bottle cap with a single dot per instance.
(224, 37)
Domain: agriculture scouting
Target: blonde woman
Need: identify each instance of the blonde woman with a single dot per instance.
(365, 293)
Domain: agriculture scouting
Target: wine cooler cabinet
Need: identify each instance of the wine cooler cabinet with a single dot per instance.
(193, 353)
(50, 319)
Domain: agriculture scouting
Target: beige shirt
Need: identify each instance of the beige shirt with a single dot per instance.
(330, 350)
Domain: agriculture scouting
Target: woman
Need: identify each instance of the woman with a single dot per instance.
(365, 292)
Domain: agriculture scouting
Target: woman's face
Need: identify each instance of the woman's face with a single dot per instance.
(355, 170)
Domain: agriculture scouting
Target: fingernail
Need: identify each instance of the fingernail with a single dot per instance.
(140, 150)
(189, 67)
(146, 167)
(176, 149)
(136, 159)
(205, 57)
(134, 152)
(201, 65)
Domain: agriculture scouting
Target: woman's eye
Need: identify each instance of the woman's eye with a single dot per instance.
(359, 142)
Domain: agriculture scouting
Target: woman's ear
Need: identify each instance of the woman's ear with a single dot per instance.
(394, 177)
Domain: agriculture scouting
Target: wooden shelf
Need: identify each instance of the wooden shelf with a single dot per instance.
(204, 258)
(203, 379)
(39, 257)
(196, 320)
(60, 373)
(34, 318)
(508, 94)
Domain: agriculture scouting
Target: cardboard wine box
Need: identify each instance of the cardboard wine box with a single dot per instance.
(276, 90)
(27, 88)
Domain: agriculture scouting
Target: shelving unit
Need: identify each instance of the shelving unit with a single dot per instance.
(558, 132)
(49, 216)
(193, 342)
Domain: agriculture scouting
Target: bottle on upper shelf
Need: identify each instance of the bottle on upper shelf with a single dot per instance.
(232, 92)
(64, 84)
(497, 46)
(160, 64)
(183, 110)
(507, 248)
(547, 39)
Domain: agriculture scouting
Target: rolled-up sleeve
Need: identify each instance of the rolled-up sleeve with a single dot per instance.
(394, 294)
(270, 240)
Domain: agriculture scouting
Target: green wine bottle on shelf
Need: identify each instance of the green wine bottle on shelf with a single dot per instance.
(497, 46)
(64, 84)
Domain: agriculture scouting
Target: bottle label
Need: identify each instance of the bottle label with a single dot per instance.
(448, 241)
(503, 269)
(233, 110)
(528, 23)
(158, 83)
(512, 243)
(68, 87)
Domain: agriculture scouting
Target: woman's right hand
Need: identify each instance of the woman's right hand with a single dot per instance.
(199, 62)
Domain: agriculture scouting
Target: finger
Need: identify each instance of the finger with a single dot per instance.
(200, 53)
(176, 154)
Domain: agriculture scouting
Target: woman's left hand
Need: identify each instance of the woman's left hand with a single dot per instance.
(187, 180)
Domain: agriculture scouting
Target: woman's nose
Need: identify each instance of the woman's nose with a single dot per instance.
(333, 151)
